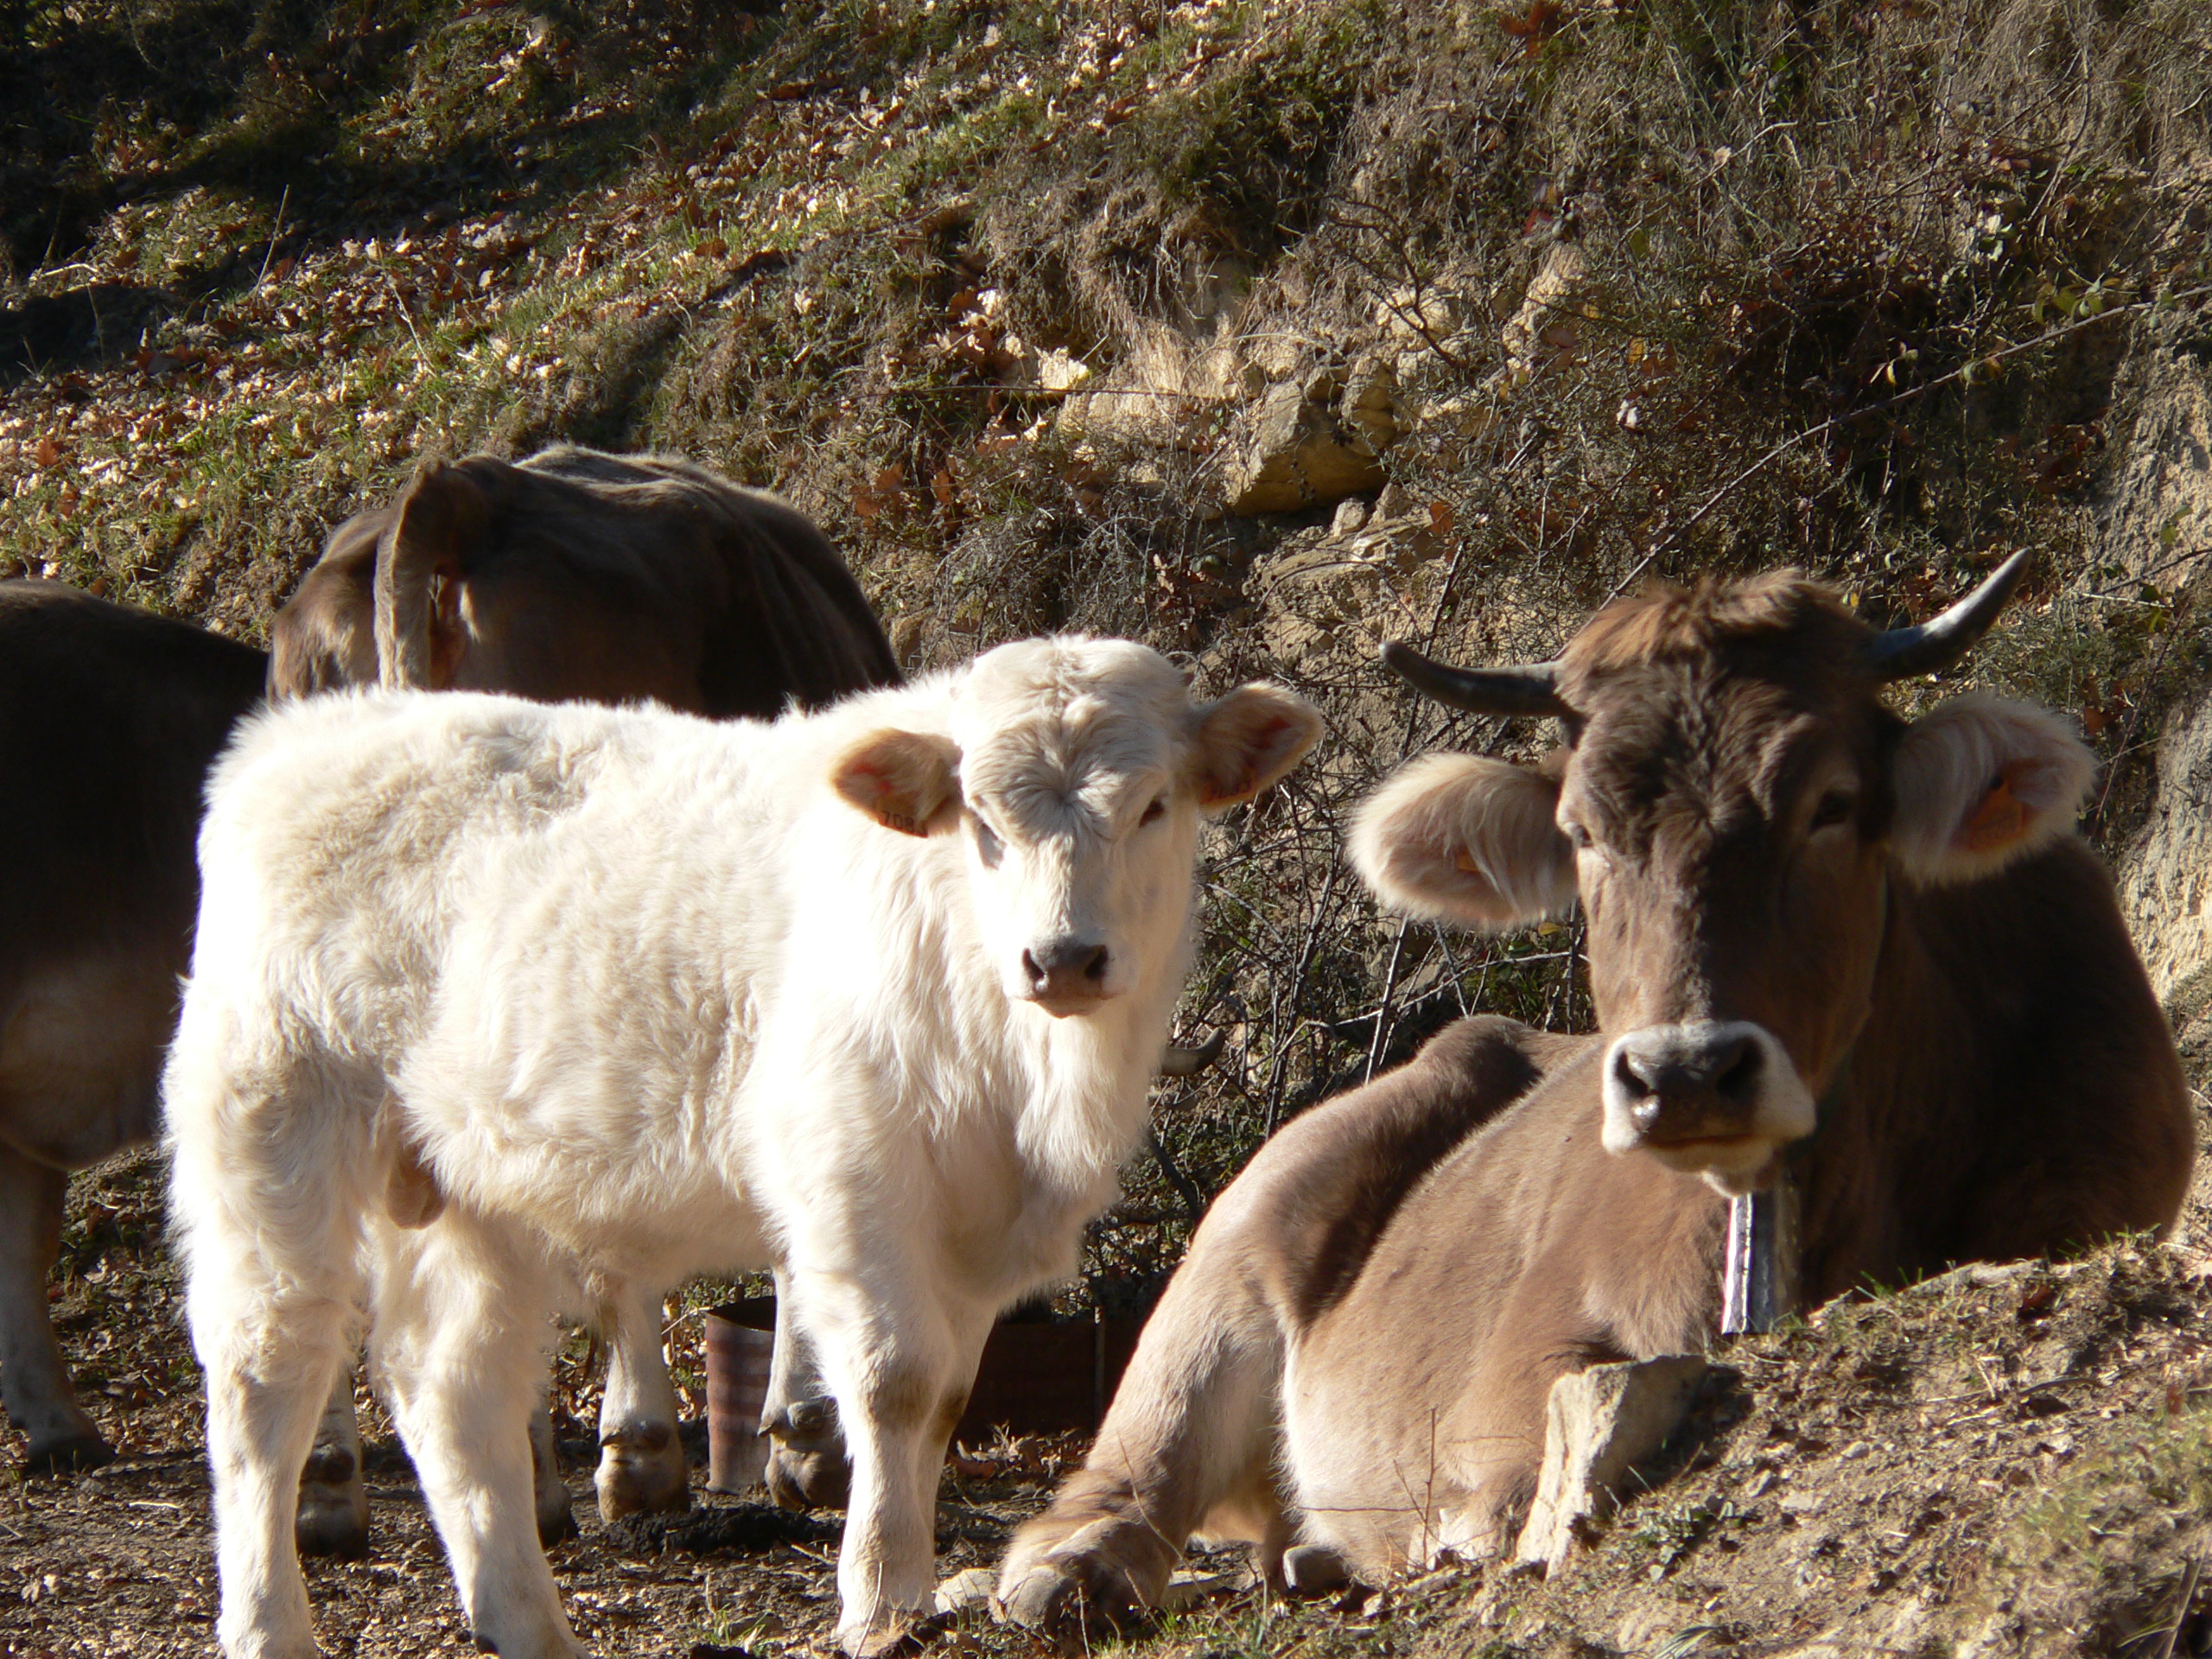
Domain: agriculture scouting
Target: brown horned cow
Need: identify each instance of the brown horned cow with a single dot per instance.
(580, 575)
(1820, 938)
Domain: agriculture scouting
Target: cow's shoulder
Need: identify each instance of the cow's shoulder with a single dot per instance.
(1329, 1184)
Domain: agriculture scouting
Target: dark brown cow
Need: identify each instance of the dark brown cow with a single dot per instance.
(109, 718)
(580, 575)
(1822, 939)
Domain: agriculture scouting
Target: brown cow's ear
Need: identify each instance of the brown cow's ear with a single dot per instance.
(1457, 838)
(1981, 782)
(1247, 741)
(445, 513)
(907, 781)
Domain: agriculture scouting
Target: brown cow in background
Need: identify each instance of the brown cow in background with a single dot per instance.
(580, 575)
(1824, 940)
(575, 574)
(109, 719)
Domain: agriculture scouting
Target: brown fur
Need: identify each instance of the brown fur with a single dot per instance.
(109, 719)
(582, 575)
(1995, 1080)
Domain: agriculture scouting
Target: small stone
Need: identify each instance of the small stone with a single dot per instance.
(1599, 1423)
(966, 1590)
(1352, 515)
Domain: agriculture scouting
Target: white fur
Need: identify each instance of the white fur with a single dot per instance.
(1944, 769)
(647, 997)
(1457, 838)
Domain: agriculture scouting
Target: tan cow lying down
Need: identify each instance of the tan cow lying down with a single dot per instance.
(1817, 932)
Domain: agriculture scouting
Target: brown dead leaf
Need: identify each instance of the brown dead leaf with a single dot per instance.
(1533, 27)
(48, 453)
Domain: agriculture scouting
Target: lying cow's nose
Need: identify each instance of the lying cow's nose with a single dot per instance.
(1066, 970)
(1689, 1088)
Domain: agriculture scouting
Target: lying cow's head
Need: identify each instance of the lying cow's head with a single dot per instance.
(1075, 773)
(1731, 804)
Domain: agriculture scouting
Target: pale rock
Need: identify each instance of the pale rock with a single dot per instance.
(1297, 455)
(968, 1591)
(1396, 501)
(1599, 1424)
(1191, 1585)
(2154, 523)
(1058, 370)
(1351, 516)
(1543, 327)
(1369, 408)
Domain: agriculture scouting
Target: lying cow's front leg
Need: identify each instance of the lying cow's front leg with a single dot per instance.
(901, 1366)
(34, 1379)
(1189, 1445)
(641, 1466)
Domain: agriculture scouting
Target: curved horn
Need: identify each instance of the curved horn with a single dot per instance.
(1532, 689)
(1935, 645)
(1179, 1062)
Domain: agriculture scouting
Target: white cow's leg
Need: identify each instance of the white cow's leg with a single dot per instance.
(463, 1355)
(902, 1367)
(34, 1378)
(270, 1300)
(556, 1517)
(334, 1516)
(640, 1457)
(807, 1466)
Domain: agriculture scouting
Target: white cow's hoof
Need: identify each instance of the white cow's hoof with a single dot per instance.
(556, 1515)
(333, 1513)
(642, 1474)
(891, 1635)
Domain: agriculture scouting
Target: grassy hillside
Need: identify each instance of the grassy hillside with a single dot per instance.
(1261, 331)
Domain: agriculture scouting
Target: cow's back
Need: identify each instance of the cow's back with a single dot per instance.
(783, 618)
(2017, 1093)
(108, 719)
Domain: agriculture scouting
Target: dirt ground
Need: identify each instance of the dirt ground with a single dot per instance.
(2010, 1461)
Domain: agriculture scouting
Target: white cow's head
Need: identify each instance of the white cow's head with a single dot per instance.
(1075, 773)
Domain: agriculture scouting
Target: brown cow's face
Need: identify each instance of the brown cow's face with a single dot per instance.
(1733, 810)
(1730, 854)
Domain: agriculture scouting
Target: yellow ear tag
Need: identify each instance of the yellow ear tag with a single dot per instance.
(2001, 819)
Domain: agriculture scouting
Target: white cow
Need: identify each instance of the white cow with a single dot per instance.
(500, 1008)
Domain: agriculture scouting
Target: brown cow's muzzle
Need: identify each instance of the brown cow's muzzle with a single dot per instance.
(1716, 1099)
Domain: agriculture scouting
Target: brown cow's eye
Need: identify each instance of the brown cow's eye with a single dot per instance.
(1836, 806)
(1577, 836)
(1156, 811)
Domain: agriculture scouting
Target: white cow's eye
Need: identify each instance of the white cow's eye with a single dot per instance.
(1156, 811)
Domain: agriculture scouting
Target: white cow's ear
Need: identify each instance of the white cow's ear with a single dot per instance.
(1249, 738)
(1457, 838)
(907, 781)
(1981, 782)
